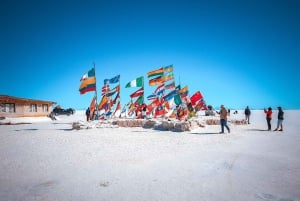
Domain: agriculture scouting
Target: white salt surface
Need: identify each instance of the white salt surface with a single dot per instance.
(48, 161)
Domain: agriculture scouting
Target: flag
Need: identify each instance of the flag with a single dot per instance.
(160, 89)
(168, 69)
(195, 97)
(178, 87)
(105, 89)
(117, 112)
(169, 96)
(183, 91)
(153, 104)
(151, 97)
(89, 74)
(112, 80)
(139, 100)
(156, 81)
(177, 99)
(113, 91)
(153, 73)
(160, 111)
(170, 85)
(92, 107)
(88, 85)
(138, 82)
(200, 105)
(168, 77)
(117, 98)
(103, 102)
(137, 93)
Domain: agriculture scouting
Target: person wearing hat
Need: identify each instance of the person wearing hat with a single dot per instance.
(280, 119)
(223, 119)
(268, 117)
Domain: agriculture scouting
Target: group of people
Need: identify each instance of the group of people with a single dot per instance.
(279, 118)
(224, 113)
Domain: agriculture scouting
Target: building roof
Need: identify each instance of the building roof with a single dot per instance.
(12, 99)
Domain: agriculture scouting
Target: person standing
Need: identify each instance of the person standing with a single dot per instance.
(223, 119)
(87, 113)
(268, 117)
(280, 119)
(247, 114)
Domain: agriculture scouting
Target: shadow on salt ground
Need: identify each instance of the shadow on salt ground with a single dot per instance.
(27, 129)
(62, 123)
(65, 129)
(35, 129)
(145, 131)
(255, 129)
(215, 133)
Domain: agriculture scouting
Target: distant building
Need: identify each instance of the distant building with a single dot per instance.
(23, 107)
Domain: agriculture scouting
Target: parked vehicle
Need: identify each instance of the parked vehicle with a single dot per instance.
(60, 111)
(209, 111)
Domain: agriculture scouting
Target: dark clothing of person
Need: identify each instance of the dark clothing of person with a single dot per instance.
(280, 120)
(247, 114)
(87, 113)
(280, 114)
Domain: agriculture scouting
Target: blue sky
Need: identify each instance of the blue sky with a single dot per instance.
(237, 53)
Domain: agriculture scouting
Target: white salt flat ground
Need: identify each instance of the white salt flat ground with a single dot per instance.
(48, 161)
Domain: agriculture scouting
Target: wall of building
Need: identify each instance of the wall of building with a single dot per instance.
(23, 107)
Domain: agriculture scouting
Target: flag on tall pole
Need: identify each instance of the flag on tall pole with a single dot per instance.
(138, 82)
(88, 82)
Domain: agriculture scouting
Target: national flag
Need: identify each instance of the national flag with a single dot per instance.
(105, 89)
(195, 97)
(153, 73)
(156, 81)
(178, 87)
(177, 99)
(117, 98)
(139, 101)
(160, 111)
(92, 107)
(103, 102)
(117, 112)
(170, 85)
(200, 105)
(168, 69)
(170, 95)
(88, 85)
(168, 77)
(183, 91)
(151, 97)
(160, 89)
(113, 91)
(152, 105)
(137, 93)
(138, 82)
(112, 80)
(89, 74)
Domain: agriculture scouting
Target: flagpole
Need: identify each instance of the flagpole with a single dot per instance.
(96, 89)
(144, 91)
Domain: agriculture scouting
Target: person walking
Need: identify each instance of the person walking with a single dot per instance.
(223, 119)
(279, 120)
(87, 113)
(247, 114)
(268, 117)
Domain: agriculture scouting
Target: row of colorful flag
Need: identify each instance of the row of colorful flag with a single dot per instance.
(165, 96)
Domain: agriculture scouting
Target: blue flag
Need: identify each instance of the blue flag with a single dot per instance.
(112, 80)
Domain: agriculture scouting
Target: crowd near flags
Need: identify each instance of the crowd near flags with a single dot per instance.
(166, 100)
